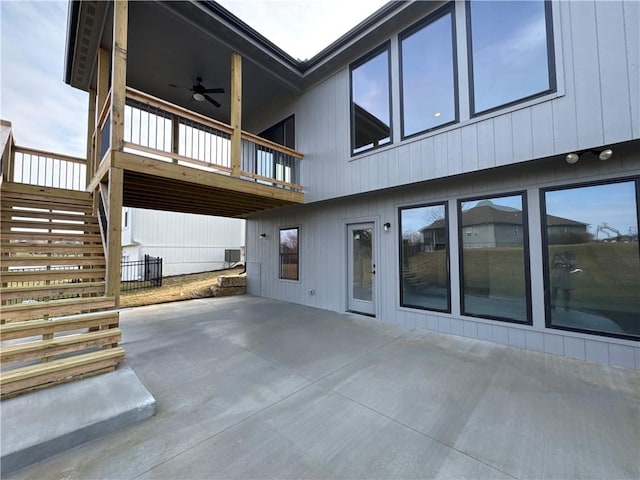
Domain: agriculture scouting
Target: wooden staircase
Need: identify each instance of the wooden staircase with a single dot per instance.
(54, 320)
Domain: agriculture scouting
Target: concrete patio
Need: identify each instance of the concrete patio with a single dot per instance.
(253, 388)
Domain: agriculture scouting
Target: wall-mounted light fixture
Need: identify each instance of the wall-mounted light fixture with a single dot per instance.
(603, 155)
(387, 226)
(263, 235)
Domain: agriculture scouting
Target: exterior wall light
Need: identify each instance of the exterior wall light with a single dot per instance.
(603, 154)
(573, 158)
(387, 226)
(263, 235)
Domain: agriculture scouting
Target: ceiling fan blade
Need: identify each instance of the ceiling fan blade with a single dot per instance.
(177, 86)
(213, 90)
(211, 100)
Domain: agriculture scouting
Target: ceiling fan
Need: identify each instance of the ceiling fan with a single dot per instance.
(199, 92)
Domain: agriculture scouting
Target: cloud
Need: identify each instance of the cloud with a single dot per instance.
(44, 111)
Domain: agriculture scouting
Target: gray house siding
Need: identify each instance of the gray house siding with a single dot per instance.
(323, 256)
(597, 103)
(518, 148)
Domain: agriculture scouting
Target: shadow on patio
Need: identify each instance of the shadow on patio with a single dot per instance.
(253, 388)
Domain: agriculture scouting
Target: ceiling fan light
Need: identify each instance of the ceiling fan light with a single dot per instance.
(198, 97)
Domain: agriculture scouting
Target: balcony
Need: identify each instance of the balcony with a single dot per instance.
(179, 160)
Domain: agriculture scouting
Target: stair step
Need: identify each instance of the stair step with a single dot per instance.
(61, 345)
(31, 328)
(55, 237)
(40, 291)
(8, 225)
(9, 213)
(53, 249)
(28, 311)
(23, 191)
(57, 371)
(58, 206)
(53, 275)
(42, 261)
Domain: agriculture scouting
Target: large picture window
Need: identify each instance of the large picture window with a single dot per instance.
(289, 261)
(371, 101)
(510, 47)
(493, 258)
(424, 277)
(592, 269)
(427, 53)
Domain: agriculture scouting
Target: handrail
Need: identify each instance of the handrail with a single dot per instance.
(44, 153)
(273, 145)
(152, 101)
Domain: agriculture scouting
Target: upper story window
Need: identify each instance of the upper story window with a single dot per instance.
(510, 46)
(371, 101)
(427, 55)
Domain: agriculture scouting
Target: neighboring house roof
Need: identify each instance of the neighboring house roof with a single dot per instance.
(486, 212)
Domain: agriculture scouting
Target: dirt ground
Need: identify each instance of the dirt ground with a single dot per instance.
(174, 289)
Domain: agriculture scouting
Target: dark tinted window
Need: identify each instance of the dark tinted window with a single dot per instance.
(593, 260)
(493, 257)
(510, 51)
(370, 102)
(424, 272)
(428, 79)
(289, 267)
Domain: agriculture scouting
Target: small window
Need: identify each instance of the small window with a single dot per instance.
(371, 101)
(424, 256)
(510, 47)
(427, 53)
(289, 267)
(592, 260)
(494, 268)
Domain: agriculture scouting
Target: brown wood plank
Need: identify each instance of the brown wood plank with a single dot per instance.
(40, 291)
(23, 190)
(53, 275)
(54, 249)
(12, 331)
(57, 346)
(11, 213)
(43, 373)
(36, 261)
(55, 237)
(30, 224)
(27, 311)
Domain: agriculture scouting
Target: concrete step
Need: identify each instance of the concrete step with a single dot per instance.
(96, 406)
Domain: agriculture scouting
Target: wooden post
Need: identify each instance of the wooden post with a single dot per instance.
(102, 91)
(91, 127)
(118, 72)
(175, 136)
(236, 113)
(114, 233)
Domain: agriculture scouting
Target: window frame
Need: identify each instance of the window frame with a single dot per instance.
(545, 250)
(526, 255)
(448, 8)
(386, 46)
(280, 277)
(445, 205)
(551, 63)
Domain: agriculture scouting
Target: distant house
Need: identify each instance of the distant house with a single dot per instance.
(491, 225)
(187, 243)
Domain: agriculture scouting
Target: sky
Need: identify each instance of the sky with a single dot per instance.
(48, 114)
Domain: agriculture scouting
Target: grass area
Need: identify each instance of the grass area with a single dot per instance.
(174, 289)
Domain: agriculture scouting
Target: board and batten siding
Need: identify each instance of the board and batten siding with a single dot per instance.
(323, 242)
(187, 243)
(597, 51)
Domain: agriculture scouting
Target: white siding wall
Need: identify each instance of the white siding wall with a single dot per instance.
(187, 243)
(323, 254)
(597, 103)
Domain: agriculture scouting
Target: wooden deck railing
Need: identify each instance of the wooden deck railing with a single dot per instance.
(47, 169)
(170, 133)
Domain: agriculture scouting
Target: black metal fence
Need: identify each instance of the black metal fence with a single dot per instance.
(140, 274)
